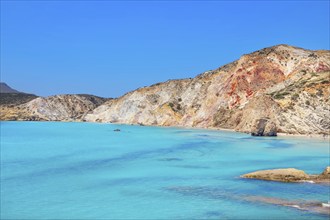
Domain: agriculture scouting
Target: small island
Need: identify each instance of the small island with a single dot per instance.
(290, 175)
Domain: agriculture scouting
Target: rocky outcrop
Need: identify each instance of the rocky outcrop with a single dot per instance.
(325, 174)
(287, 85)
(264, 127)
(53, 108)
(282, 175)
(304, 104)
(289, 175)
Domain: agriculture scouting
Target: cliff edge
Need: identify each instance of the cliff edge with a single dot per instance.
(289, 86)
(276, 89)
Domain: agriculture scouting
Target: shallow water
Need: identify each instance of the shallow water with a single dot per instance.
(87, 171)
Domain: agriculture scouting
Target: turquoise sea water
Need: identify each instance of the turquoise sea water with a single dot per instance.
(55, 170)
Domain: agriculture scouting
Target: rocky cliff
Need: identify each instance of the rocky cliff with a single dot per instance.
(52, 108)
(288, 86)
(285, 86)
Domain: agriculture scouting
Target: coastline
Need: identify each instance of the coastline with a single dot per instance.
(312, 136)
(280, 134)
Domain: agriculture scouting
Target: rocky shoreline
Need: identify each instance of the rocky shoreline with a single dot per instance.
(291, 175)
(279, 89)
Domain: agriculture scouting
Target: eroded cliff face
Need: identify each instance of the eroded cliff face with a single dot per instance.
(288, 85)
(52, 108)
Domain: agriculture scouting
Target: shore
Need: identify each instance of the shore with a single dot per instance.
(317, 136)
(313, 136)
(304, 136)
(280, 134)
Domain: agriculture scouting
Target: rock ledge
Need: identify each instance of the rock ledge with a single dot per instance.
(289, 175)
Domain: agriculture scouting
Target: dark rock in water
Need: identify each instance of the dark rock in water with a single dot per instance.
(170, 159)
(116, 129)
(264, 127)
(312, 206)
(318, 207)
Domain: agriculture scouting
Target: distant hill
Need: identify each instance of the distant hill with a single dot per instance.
(4, 88)
(12, 97)
(15, 105)
(276, 89)
(52, 108)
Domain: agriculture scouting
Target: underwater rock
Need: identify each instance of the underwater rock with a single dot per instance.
(311, 206)
(319, 207)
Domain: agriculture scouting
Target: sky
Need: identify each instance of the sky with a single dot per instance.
(108, 48)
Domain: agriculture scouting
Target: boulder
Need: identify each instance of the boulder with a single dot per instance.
(282, 175)
(325, 174)
(264, 127)
(290, 175)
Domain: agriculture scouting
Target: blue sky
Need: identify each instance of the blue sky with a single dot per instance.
(108, 48)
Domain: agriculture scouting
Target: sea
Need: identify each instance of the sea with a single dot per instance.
(72, 170)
